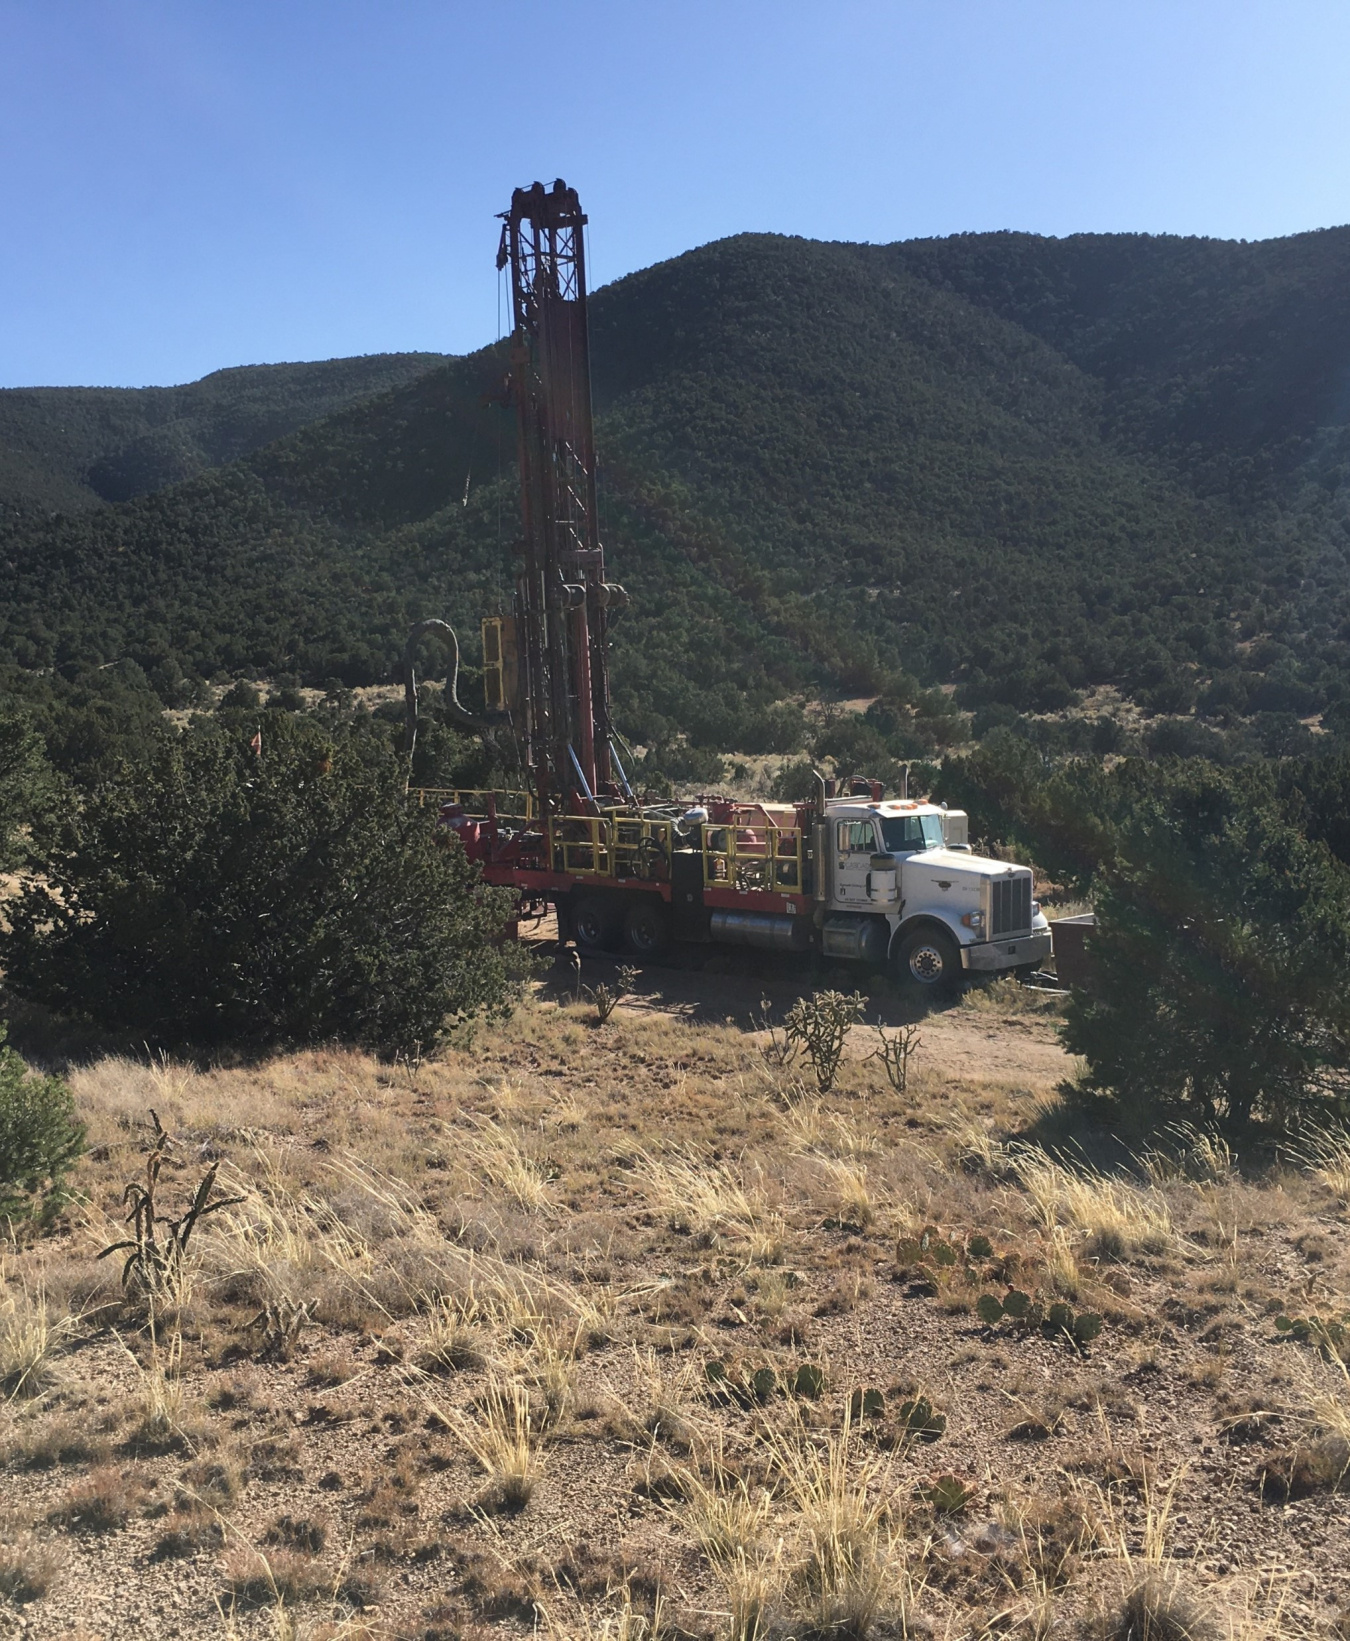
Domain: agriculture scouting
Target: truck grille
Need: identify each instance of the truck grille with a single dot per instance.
(1011, 910)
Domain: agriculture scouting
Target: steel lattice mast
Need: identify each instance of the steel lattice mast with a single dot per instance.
(562, 599)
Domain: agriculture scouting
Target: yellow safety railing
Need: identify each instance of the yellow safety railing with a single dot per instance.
(762, 857)
(642, 847)
(610, 845)
(581, 844)
(512, 806)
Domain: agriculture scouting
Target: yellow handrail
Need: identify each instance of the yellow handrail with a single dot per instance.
(610, 845)
(513, 806)
(765, 858)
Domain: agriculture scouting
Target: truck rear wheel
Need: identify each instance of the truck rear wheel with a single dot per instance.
(595, 924)
(646, 928)
(929, 958)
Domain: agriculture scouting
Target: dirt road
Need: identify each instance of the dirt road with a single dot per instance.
(974, 1038)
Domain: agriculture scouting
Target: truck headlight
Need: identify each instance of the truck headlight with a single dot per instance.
(973, 920)
(1035, 908)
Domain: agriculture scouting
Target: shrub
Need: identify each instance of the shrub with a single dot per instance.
(818, 1026)
(27, 787)
(1218, 960)
(208, 893)
(40, 1137)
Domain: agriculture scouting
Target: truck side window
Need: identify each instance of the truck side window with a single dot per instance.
(855, 837)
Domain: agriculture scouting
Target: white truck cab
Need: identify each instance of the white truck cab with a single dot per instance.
(899, 884)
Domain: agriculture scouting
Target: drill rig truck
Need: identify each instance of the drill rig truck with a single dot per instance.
(848, 874)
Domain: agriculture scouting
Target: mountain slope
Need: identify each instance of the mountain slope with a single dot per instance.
(1026, 466)
(70, 448)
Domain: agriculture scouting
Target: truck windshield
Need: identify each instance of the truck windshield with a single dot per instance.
(903, 833)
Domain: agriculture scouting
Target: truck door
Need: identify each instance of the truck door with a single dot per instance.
(855, 843)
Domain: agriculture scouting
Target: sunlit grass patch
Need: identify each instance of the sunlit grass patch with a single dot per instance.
(29, 1338)
(1118, 1218)
(707, 1200)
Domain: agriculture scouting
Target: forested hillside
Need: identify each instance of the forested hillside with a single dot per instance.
(67, 448)
(1022, 466)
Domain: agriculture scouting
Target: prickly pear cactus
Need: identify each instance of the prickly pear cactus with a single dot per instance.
(866, 1403)
(1059, 1321)
(808, 1381)
(921, 1419)
(948, 1495)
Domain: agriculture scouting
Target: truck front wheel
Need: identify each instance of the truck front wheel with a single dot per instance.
(929, 958)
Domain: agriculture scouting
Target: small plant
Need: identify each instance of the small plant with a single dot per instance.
(1059, 1320)
(930, 1260)
(28, 1566)
(947, 1495)
(40, 1138)
(607, 998)
(740, 1383)
(279, 1324)
(505, 1443)
(1329, 1335)
(809, 1381)
(866, 1403)
(747, 1385)
(895, 1053)
(410, 1061)
(155, 1266)
(930, 1247)
(27, 1339)
(920, 1419)
(308, 1534)
(780, 1049)
(819, 1026)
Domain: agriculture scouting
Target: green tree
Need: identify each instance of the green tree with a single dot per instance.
(27, 787)
(1219, 958)
(40, 1136)
(209, 894)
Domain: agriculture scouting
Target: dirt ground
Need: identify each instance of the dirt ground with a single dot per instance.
(629, 1328)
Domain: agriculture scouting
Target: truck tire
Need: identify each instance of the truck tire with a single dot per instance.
(646, 928)
(929, 959)
(595, 924)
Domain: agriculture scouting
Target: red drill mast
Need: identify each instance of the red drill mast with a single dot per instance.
(554, 667)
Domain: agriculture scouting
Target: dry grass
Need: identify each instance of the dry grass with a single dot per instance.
(847, 1192)
(1117, 1218)
(504, 1439)
(707, 1200)
(29, 1565)
(845, 1535)
(101, 1503)
(454, 1338)
(1328, 1158)
(496, 1153)
(41, 1440)
(28, 1341)
(517, 1261)
(728, 1523)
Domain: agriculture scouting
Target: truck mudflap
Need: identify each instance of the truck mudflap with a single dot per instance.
(992, 955)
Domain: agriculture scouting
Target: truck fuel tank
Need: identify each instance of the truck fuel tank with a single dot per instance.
(762, 929)
(883, 880)
(856, 939)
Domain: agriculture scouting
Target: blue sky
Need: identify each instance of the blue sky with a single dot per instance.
(190, 184)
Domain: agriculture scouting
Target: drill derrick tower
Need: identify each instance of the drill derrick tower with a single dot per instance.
(554, 674)
(854, 877)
